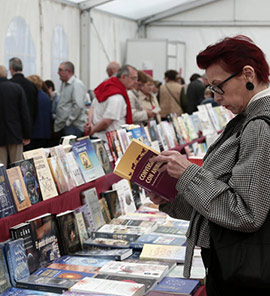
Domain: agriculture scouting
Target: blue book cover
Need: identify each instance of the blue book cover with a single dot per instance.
(7, 206)
(87, 159)
(4, 276)
(16, 260)
(139, 134)
(84, 261)
(22, 292)
(177, 285)
(152, 238)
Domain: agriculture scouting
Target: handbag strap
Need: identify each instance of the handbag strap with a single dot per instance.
(169, 91)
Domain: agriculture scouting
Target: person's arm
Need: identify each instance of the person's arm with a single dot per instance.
(102, 125)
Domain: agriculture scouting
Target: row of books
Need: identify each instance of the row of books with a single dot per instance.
(79, 273)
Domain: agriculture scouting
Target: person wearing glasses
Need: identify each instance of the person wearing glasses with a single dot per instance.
(229, 195)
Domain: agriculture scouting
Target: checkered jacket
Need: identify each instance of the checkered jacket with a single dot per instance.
(232, 188)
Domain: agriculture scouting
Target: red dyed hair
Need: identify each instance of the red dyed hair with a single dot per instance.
(233, 53)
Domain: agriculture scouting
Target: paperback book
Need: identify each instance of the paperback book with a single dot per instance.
(113, 202)
(101, 242)
(102, 155)
(24, 292)
(136, 167)
(112, 254)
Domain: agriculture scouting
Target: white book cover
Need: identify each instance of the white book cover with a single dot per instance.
(206, 123)
(74, 169)
(110, 287)
(125, 196)
(132, 269)
(213, 117)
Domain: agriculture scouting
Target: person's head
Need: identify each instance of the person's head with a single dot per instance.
(180, 79)
(170, 75)
(36, 80)
(156, 86)
(146, 83)
(127, 74)
(15, 66)
(3, 72)
(50, 84)
(112, 68)
(194, 76)
(208, 94)
(65, 71)
(236, 70)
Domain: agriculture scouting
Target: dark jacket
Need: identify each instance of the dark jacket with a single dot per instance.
(31, 93)
(15, 123)
(194, 95)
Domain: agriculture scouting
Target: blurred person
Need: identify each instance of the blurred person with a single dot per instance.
(111, 107)
(209, 98)
(170, 95)
(42, 128)
(31, 92)
(70, 117)
(54, 96)
(112, 68)
(227, 199)
(15, 121)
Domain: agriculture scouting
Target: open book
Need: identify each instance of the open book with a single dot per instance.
(136, 167)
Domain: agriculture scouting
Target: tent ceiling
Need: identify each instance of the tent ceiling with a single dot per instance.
(133, 9)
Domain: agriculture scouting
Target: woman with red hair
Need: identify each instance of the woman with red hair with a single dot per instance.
(227, 199)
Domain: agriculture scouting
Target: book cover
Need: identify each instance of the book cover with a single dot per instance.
(30, 178)
(23, 230)
(90, 198)
(82, 294)
(143, 225)
(104, 286)
(123, 138)
(189, 126)
(158, 240)
(60, 153)
(87, 219)
(132, 269)
(113, 202)
(69, 239)
(163, 252)
(115, 143)
(57, 173)
(4, 276)
(105, 210)
(45, 178)
(112, 254)
(148, 283)
(177, 286)
(45, 235)
(139, 134)
(47, 284)
(176, 230)
(175, 124)
(183, 129)
(125, 196)
(23, 292)
(74, 169)
(103, 242)
(78, 263)
(16, 260)
(82, 229)
(7, 206)
(112, 147)
(18, 189)
(102, 155)
(155, 134)
(207, 127)
(136, 167)
(168, 133)
(87, 159)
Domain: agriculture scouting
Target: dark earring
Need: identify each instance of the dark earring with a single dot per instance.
(250, 85)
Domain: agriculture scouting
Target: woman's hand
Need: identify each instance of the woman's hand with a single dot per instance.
(174, 162)
(155, 198)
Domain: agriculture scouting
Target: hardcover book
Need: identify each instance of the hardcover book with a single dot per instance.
(90, 198)
(18, 189)
(148, 283)
(7, 206)
(45, 178)
(16, 260)
(30, 178)
(112, 254)
(176, 286)
(103, 286)
(69, 238)
(45, 235)
(87, 159)
(82, 229)
(163, 252)
(23, 230)
(23, 292)
(4, 276)
(137, 270)
(113, 202)
(101, 242)
(136, 167)
(102, 155)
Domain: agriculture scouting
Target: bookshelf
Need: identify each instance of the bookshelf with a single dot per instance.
(63, 202)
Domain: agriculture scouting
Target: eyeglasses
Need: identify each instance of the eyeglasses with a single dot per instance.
(62, 70)
(218, 88)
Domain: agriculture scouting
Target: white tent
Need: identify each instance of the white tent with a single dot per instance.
(154, 35)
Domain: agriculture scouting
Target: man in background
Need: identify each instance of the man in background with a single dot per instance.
(112, 68)
(70, 115)
(31, 91)
(15, 122)
(111, 107)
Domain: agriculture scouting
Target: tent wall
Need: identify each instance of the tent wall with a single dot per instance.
(41, 17)
(202, 26)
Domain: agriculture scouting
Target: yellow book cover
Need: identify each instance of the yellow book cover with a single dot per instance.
(136, 167)
(18, 188)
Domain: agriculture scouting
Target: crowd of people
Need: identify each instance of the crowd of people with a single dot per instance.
(128, 96)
